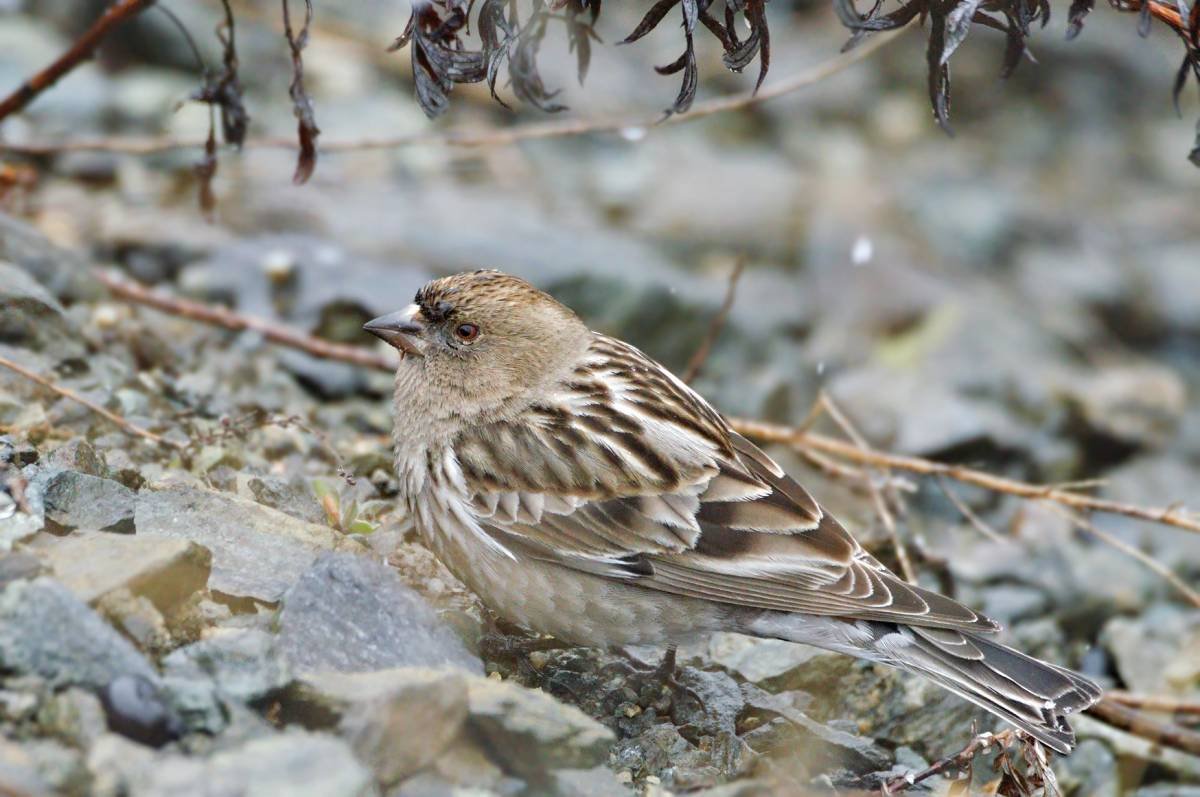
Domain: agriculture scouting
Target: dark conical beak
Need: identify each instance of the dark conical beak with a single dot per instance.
(403, 329)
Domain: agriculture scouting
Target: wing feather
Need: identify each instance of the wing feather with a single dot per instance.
(627, 473)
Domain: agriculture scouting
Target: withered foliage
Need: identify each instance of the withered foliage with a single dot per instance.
(438, 32)
(306, 123)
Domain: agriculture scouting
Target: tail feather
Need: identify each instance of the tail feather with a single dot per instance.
(1033, 695)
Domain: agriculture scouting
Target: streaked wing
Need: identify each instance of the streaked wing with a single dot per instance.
(630, 474)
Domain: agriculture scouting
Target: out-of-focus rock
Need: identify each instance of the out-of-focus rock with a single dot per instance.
(47, 631)
(166, 571)
(352, 614)
(295, 499)
(398, 721)
(62, 272)
(293, 763)
(1155, 652)
(31, 317)
(137, 709)
(528, 732)
(79, 501)
(243, 664)
(1135, 405)
(257, 552)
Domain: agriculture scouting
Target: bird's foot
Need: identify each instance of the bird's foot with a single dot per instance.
(512, 647)
(661, 679)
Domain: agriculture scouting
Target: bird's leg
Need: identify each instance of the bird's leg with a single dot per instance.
(663, 674)
(510, 644)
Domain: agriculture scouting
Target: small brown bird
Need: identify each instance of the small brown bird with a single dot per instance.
(583, 491)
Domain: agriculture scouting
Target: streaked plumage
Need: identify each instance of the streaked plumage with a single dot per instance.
(582, 490)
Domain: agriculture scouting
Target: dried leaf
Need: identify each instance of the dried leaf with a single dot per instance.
(650, 21)
(1075, 15)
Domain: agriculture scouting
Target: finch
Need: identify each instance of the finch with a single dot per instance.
(581, 490)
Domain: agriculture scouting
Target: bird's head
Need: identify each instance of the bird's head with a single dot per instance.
(481, 338)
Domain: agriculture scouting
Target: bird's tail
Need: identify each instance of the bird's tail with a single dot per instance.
(1032, 695)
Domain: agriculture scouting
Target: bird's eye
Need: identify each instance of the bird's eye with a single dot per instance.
(466, 332)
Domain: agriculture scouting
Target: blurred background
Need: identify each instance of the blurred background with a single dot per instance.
(1022, 297)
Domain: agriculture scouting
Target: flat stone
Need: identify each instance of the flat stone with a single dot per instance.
(530, 732)
(166, 571)
(379, 711)
(295, 763)
(79, 501)
(47, 631)
(94, 565)
(257, 552)
(352, 614)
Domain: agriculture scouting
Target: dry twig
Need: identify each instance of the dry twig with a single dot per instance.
(1147, 727)
(953, 763)
(1160, 703)
(1083, 524)
(482, 138)
(718, 323)
(980, 525)
(877, 497)
(77, 53)
(775, 433)
(122, 423)
(138, 293)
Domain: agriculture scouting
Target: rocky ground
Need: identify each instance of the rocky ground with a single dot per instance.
(244, 610)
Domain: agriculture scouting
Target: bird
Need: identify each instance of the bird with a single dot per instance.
(582, 490)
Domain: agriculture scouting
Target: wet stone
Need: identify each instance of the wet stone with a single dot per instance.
(47, 631)
(351, 614)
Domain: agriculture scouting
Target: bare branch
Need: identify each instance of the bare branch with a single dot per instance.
(1163, 703)
(1147, 727)
(718, 323)
(76, 54)
(133, 291)
(966, 511)
(123, 424)
(1083, 524)
(776, 433)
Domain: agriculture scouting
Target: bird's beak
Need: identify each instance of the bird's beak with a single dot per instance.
(404, 329)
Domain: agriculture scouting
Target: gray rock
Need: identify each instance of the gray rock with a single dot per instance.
(298, 500)
(62, 272)
(257, 552)
(78, 455)
(19, 566)
(19, 771)
(352, 614)
(79, 501)
(168, 572)
(292, 763)
(825, 748)
(75, 716)
(243, 664)
(594, 782)
(31, 317)
(1151, 651)
(378, 712)
(137, 709)
(1090, 769)
(47, 631)
(528, 732)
